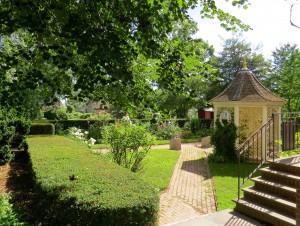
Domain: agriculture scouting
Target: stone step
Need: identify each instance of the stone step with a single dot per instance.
(286, 165)
(273, 201)
(263, 213)
(280, 177)
(275, 188)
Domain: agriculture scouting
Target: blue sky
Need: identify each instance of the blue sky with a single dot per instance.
(269, 20)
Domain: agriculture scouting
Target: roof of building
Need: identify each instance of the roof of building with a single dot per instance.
(246, 88)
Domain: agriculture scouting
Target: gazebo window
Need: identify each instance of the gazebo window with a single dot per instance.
(225, 116)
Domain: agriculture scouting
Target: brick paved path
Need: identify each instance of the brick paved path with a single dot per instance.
(190, 193)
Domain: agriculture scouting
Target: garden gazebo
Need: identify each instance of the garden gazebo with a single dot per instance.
(248, 103)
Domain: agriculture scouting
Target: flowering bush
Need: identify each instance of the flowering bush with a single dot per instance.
(79, 134)
(129, 143)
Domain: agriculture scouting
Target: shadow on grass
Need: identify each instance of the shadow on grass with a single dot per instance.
(54, 206)
(36, 206)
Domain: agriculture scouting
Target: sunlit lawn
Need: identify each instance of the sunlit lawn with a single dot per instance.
(225, 178)
(159, 166)
(284, 154)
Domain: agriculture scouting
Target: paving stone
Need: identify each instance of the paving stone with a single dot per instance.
(190, 193)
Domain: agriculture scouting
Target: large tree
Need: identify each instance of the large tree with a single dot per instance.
(229, 62)
(190, 71)
(284, 77)
(89, 45)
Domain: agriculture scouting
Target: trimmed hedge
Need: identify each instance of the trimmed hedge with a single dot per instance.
(81, 124)
(42, 128)
(81, 188)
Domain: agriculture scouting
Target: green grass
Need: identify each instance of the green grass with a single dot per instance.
(284, 154)
(159, 166)
(225, 178)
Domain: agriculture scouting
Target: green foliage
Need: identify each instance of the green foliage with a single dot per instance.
(13, 130)
(205, 132)
(8, 216)
(80, 123)
(223, 139)
(77, 187)
(283, 79)
(196, 125)
(42, 128)
(79, 115)
(22, 128)
(168, 130)
(56, 114)
(235, 50)
(129, 144)
(95, 131)
(6, 154)
(66, 54)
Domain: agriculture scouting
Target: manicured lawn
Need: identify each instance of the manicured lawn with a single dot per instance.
(225, 177)
(159, 166)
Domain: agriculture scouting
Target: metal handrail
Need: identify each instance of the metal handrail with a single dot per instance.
(265, 139)
(243, 151)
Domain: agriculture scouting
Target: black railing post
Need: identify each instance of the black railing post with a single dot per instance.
(239, 176)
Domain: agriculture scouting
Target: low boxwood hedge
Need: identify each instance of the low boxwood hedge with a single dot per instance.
(79, 123)
(81, 188)
(42, 128)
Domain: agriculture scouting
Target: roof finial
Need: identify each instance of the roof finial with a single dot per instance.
(245, 64)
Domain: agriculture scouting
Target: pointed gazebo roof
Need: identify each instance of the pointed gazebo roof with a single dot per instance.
(246, 88)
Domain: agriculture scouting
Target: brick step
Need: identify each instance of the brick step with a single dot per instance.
(273, 201)
(263, 213)
(287, 165)
(280, 177)
(275, 188)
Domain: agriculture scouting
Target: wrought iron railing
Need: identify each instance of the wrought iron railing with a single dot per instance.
(280, 133)
(254, 152)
